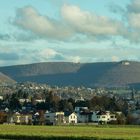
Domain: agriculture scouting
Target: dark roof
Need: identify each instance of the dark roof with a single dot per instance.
(85, 113)
(67, 113)
(101, 113)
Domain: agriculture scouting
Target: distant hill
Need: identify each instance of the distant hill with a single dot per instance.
(5, 79)
(105, 74)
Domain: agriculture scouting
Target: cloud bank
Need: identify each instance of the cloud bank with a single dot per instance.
(73, 22)
(88, 23)
(77, 35)
(133, 16)
(29, 19)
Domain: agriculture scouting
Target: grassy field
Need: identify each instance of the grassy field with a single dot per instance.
(69, 132)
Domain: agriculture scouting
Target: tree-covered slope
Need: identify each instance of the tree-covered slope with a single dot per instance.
(76, 74)
(5, 79)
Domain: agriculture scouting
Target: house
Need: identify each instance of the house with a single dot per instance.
(84, 116)
(39, 117)
(1, 97)
(103, 117)
(24, 100)
(26, 119)
(100, 117)
(79, 109)
(79, 99)
(111, 116)
(14, 118)
(27, 107)
(70, 118)
(36, 118)
(40, 100)
(6, 110)
(54, 118)
(3, 117)
(18, 118)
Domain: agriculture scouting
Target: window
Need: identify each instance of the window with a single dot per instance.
(103, 117)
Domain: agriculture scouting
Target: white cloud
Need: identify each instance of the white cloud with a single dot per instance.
(133, 16)
(28, 18)
(88, 23)
(134, 6)
(49, 55)
(73, 22)
(133, 12)
(76, 24)
(52, 55)
(75, 59)
(134, 20)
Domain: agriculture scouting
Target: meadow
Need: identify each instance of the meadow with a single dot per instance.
(69, 132)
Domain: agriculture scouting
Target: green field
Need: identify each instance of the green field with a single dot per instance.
(69, 132)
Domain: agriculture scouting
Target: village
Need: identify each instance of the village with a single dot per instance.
(35, 104)
(80, 116)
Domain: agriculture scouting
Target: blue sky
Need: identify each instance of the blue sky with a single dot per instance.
(69, 30)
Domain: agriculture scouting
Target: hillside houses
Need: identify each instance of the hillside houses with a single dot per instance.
(103, 117)
(100, 117)
(57, 118)
(90, 105)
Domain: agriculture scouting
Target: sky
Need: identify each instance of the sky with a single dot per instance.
(33, 31)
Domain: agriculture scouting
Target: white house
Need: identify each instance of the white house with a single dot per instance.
(54, 118)
(103, 117)
(111, 116)
(40, 100)
(24, 100)
(70, 118)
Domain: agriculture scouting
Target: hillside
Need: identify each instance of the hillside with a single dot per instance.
(106, 74)
(5, 79)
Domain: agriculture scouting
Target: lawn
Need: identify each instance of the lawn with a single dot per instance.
(69, 132)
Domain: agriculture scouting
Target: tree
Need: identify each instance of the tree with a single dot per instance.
(121, 119)
(64, 105)
(3, 117)
(14, 102)
(52, 100)
(41, 106)
(96, 101)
